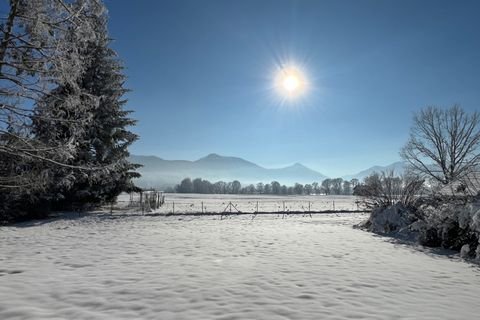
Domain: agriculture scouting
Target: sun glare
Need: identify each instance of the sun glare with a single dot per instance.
(291, 82)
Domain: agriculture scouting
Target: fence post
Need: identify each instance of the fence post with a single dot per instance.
(202, 207)
(333, 205)
(173, 207)
(257, 206)
(309, 207)
(283, 206)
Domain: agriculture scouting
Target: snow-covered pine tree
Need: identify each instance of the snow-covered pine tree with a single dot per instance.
(35, 57)
(103, 146)
(109, 132)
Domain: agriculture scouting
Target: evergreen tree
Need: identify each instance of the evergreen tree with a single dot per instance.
(36, 57)
(102, 144)
(108, 137)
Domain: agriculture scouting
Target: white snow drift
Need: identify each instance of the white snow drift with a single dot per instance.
(102, 267)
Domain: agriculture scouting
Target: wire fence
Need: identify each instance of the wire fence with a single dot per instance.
(144, 201)
(179, 206)
(155, 202)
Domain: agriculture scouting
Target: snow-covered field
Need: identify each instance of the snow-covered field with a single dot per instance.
(139, 267)
(218, 203)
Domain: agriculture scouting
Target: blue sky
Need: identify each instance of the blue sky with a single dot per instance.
(201, 75)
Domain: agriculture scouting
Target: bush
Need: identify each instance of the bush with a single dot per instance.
(394, 218)
(448, 222)
(452, 226)
(15, 207)
(385, 189)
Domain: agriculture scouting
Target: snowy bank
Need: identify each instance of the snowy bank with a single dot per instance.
(143, 267)
(453, 225)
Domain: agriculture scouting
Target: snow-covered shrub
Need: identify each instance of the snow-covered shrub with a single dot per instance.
(390, 219)
(450, 223)
(465, 251)
(16, 206)
(453, 226)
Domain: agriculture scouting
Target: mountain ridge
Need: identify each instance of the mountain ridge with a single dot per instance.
(161, 173)
(158, 172)
(397, 167)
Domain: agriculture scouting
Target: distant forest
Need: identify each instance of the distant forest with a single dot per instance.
(336, 186)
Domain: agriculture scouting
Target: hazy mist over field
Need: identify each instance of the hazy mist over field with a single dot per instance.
(157, 172)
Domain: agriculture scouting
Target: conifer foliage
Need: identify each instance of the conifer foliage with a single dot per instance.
(64, 132)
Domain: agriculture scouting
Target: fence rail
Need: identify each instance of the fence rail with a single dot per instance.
(146, 201)
(154, 202)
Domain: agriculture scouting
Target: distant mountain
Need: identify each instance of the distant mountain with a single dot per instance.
(397, 167)
(160, 173)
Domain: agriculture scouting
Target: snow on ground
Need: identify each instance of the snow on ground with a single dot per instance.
(217, 203)
(139, 267)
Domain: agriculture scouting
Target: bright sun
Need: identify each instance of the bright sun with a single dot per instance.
(290, 81)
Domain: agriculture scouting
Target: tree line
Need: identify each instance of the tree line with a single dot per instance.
(336, 186)
(64, 129)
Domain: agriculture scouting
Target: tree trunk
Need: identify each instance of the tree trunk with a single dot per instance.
(8, 32)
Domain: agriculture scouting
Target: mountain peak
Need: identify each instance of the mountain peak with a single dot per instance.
(214, 159)
(397, 168)
(212, 156)
(215, 167)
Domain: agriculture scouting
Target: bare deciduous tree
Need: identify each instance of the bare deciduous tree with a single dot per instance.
(386, 189)
(444, 144)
